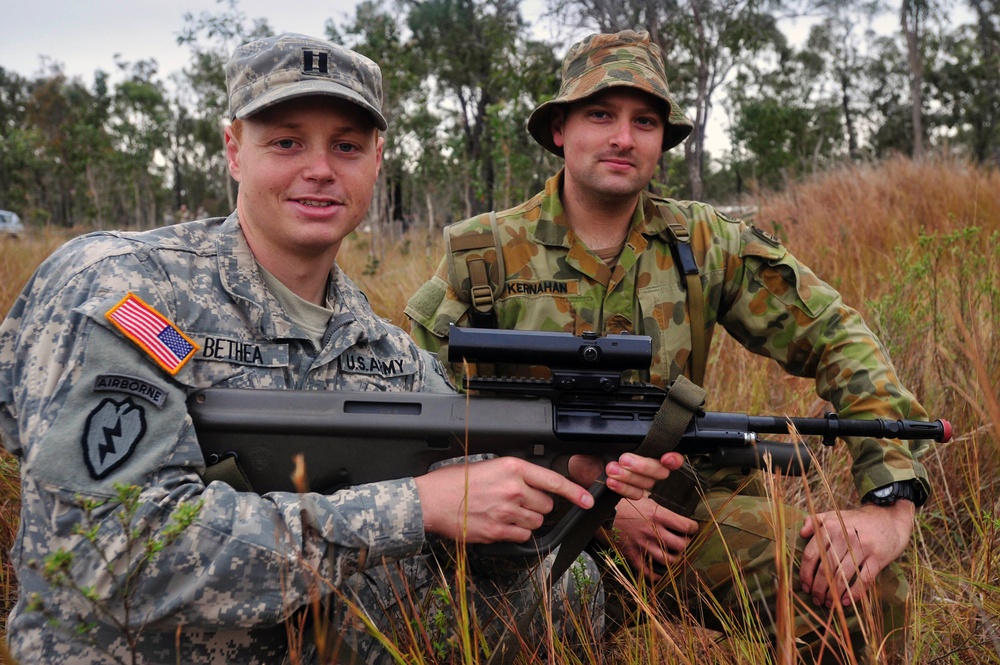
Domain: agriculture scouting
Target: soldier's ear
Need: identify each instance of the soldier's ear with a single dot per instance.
(557, 123)
(232, 138)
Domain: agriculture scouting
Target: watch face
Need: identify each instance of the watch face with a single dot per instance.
(883, 492)
(888, 494)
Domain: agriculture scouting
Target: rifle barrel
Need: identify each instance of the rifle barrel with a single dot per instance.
(829, 427)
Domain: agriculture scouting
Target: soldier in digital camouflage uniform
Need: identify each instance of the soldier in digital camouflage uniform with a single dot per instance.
(594, 252)
(115, 330)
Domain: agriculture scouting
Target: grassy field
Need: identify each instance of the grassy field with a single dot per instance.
(914, 247)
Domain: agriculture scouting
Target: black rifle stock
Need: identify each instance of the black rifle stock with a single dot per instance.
(352, 438)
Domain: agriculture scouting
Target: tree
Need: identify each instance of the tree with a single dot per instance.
(16, 154)
(467, 47)
(140, 126)
(965, 83)
(888, 97)
(58, 113)
(913, 17)
(719, 34)
(212, 38)
(835, 39)
(786, 120)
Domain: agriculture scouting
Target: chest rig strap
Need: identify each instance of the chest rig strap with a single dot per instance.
(684, 256)
(486, 277)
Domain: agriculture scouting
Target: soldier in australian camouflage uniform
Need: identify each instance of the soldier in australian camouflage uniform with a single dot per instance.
(115, 330)
(594, 252)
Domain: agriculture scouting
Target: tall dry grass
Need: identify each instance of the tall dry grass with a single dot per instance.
(916, 248)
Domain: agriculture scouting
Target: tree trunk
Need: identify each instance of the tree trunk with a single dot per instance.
(693, 157)
(845, 102)
(95, 192)
(910, 21)
(431, 226)
(694, 149)
(138, 206)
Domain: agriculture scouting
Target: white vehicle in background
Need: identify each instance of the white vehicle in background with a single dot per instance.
(10, 224)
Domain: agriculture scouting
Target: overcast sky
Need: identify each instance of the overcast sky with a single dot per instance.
(85, 35)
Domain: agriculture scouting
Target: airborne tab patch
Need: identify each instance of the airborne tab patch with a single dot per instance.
(152, 332)
(132, 385)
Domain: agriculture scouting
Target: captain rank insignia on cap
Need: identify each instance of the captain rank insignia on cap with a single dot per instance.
(152, 332)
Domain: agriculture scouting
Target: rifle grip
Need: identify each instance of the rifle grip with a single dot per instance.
(681, 492)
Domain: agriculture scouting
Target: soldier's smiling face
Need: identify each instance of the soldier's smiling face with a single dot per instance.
(307, 169)
(612, 141)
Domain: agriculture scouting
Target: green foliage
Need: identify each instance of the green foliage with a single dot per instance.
(130, 147)
(141, 549)
(372, 266)
(966, 79)
(961, 264)
(781, 139)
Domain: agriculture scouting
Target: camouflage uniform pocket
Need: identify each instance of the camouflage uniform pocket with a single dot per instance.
(431, 308)
(784, 277)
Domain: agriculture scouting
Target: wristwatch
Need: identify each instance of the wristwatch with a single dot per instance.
(888, 495)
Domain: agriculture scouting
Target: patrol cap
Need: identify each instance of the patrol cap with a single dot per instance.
(601, 61)
(273, 70)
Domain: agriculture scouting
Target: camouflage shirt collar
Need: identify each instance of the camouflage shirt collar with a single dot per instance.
(242, 280)
(351, 304)
(649, 219)
(552, 227)
(240, 277)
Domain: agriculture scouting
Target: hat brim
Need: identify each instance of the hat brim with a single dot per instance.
(310, 89)
(540, 121)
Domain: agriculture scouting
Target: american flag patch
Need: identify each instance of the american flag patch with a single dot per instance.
(153, 332)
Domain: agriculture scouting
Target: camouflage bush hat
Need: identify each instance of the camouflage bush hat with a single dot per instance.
(268, 71)
(627, 58)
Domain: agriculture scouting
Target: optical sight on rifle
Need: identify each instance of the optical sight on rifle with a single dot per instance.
(352, 438)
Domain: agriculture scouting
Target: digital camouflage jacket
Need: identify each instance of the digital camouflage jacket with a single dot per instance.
(97, 357)
(752, 286)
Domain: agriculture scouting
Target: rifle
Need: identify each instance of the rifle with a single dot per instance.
(351, 438)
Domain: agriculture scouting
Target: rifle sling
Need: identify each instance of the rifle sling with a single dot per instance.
(227, 469)
(684, 400)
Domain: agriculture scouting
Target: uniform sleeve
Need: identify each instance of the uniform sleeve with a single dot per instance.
(247, 560)
(776, 307)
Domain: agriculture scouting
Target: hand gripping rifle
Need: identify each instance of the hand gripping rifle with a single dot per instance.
(351, 438)
(585, 407)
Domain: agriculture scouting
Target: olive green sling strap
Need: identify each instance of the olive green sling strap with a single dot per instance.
(683, 401)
